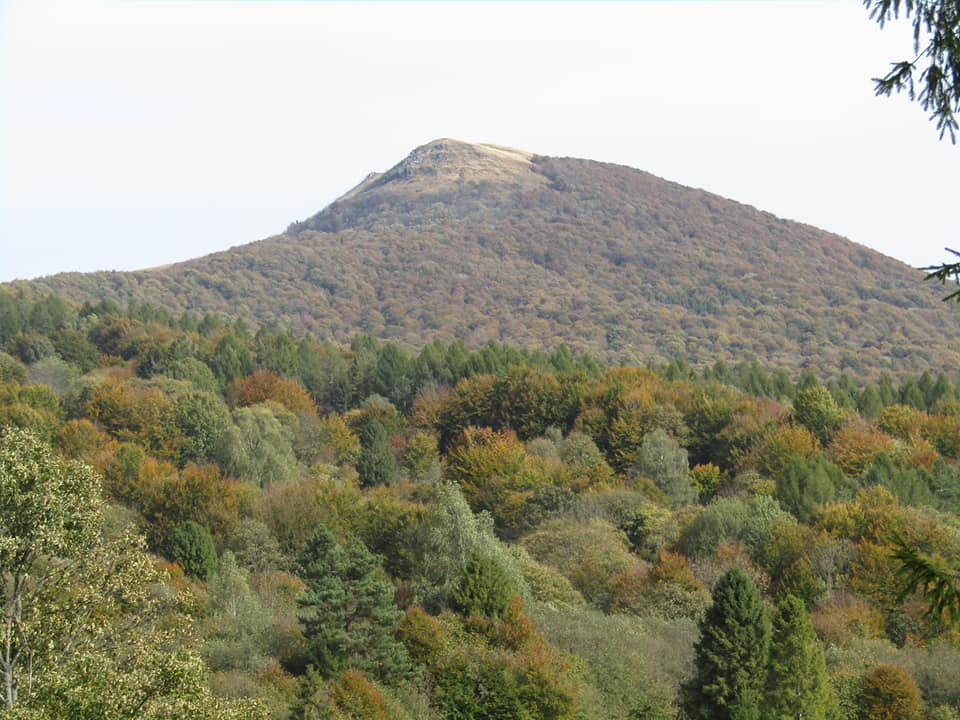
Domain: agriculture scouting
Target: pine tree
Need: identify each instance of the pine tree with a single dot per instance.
(797, 683)
(348, 612)
(731, 655)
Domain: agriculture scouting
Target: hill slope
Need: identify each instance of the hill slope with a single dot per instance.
(481, 242)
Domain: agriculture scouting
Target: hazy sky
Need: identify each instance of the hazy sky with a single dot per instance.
(137, 133)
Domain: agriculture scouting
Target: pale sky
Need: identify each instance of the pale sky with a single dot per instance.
(138, 133)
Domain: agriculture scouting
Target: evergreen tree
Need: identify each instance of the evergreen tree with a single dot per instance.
(804, 484)
(731, 655)
(907, 484)
(231, 359)
(911, 394)
(888, 396)
(193, 548)
(797, 684)
(348, 611)
(377, 465)
(484, 588)
(941, 390)
(870, 403)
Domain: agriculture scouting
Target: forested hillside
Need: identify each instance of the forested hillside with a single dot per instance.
(199, 520)
(479, 243)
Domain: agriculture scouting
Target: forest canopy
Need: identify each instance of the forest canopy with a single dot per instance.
(211, 522)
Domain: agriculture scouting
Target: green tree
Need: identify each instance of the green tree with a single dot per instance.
(231, 359)
(376, 465)
(484, 588)
(798, 687)
(818, 412)
(936, 582)
(731, 655)
(91, 629)
(257, 447)
(48, 509)
(804, 484)
(348, 613)
(192, 547)
(202, 419)
(445, 542)
(908, 484)
(663, 460)
(870, 404)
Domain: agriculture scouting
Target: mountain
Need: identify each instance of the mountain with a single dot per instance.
(482, 242)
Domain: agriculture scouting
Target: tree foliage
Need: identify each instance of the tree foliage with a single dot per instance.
(484, 588)
(731, 655)
(50, 513)
(348, 612)
(936, 55)
(797, 682)
(192, 547)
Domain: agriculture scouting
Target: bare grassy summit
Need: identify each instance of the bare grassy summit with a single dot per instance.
(445, 163)
(482, 242)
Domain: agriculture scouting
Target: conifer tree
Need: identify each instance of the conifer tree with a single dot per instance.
(377, 465)
(797, 683)
(348, 612)
(731, 655)
(193, 548)
(484, 588)
(804, 484)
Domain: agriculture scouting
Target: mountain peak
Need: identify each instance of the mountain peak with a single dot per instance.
(482, 242)
(444, 163)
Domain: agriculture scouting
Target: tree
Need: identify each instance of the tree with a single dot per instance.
(351, 696)
(443, 543)
(348, 612)
(936, 42)
(90, 628)
(202, 420)
(231, 359)
(797, 684)
(731, 655)
(804, 484)
(484, 588)
(889, 693)
(376, 465)
(257, 447)
(48, 509)
(192, 547)
(818, 412)
(945, 272)
(663, 460)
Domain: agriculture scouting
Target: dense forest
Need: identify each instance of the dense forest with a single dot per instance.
(201, 521)
(477, 243)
